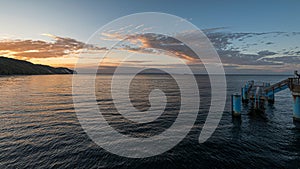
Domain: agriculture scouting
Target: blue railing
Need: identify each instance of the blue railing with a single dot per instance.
(276, 90)
(280, 86)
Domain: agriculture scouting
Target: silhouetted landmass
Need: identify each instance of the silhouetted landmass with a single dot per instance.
(9, 66)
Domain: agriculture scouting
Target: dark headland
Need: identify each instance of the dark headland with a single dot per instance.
(9, 66)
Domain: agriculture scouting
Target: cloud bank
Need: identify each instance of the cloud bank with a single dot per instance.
(269, 51)
(236, 50)
(28, 49)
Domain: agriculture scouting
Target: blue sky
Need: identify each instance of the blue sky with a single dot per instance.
(78, 20)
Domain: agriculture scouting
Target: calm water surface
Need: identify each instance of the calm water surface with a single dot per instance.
(39, 128)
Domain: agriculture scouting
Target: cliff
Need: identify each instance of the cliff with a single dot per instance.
(9, 66)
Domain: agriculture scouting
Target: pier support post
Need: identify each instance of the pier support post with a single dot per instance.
(259, 101)
(236, 105)
(271, 99)
(245, 94)
(296, 98)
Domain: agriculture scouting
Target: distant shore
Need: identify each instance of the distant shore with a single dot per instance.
(9, 66)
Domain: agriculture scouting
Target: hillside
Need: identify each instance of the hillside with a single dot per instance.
(9, 66)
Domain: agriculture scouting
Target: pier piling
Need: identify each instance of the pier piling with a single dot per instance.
(296, 106)
(236, 105)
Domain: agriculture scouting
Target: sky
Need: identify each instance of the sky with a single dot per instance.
(250, 36)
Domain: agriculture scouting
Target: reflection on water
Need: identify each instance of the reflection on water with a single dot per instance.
(140, 89)
(38, 127)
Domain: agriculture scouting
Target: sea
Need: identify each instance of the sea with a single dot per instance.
(39, 127)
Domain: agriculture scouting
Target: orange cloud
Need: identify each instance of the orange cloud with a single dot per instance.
(27, 49)
(152, 43)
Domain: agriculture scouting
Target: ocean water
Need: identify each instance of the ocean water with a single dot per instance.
(39, 127)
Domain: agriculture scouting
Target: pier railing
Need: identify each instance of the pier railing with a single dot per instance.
(277, 87)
